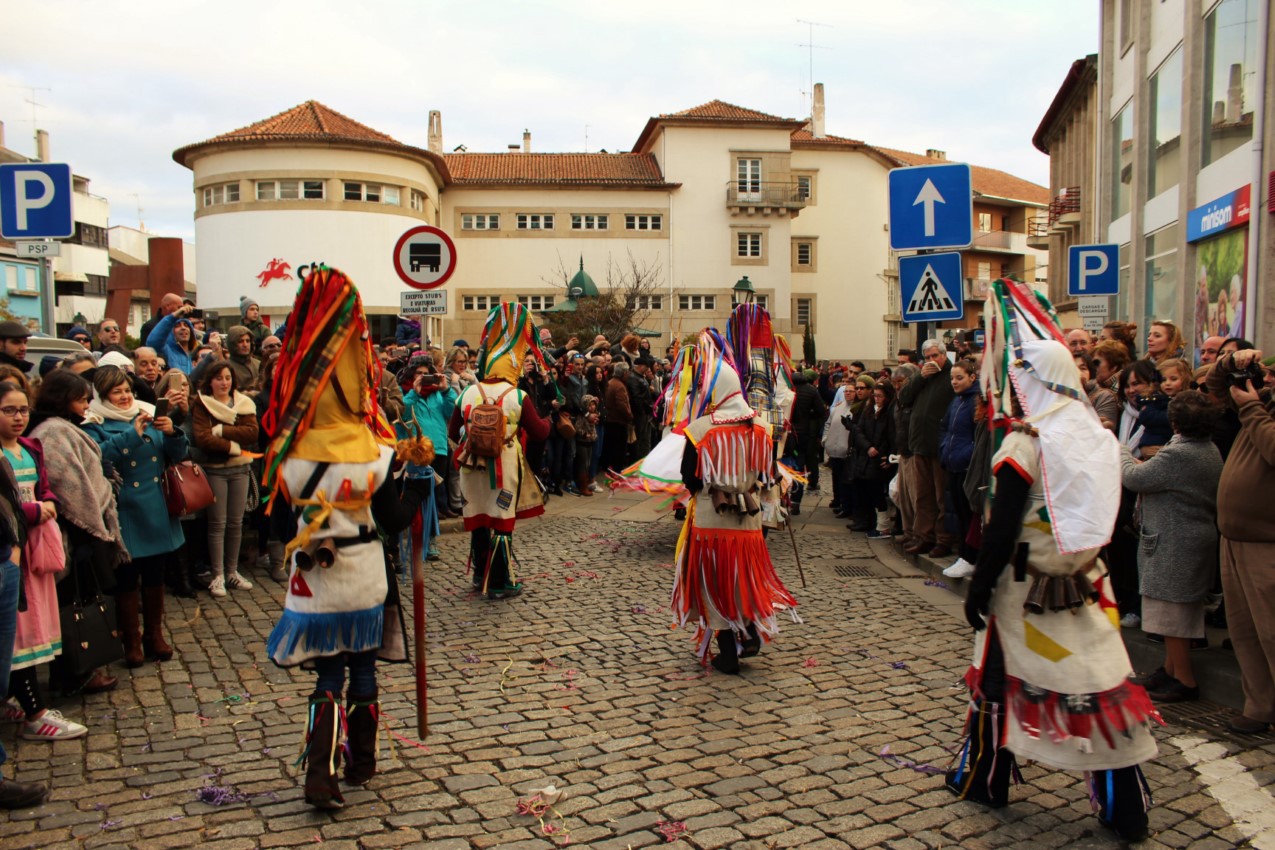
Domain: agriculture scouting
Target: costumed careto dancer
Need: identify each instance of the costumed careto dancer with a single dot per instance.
(332, 460)
(725, 582)
(495, 478)
(1050, 679)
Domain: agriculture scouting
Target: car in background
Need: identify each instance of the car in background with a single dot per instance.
(39, 347)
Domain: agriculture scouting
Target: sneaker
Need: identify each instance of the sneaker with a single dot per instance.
(595, 488)
(217, 587)
(52, 726)
(234, 581)
(876, 534)
(509, 591)
(11, 712)
(433, 554)
(961, 569)
(1174, 691)
(1130, 621)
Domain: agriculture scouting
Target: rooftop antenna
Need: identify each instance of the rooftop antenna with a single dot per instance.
(141, 225)
(810, 49)
(35, 124)
(586, 138)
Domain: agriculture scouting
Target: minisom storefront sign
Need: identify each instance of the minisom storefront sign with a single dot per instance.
(1230, 210)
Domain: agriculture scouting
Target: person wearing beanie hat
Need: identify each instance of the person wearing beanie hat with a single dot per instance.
(80, 335)
(250, 312)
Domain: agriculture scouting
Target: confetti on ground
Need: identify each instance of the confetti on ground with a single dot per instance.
(899, 665)
(470, 658)
(671, 829)
(639, 609)
(504, 673)
(810, 662)
(900, 761)
(540, 806)
(930, 582)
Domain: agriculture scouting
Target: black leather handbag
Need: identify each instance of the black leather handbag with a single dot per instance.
(90, 636)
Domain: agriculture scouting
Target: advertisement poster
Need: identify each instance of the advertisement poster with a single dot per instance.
(1220, 298)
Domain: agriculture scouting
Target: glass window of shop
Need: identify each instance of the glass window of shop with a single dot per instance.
(1230, 57)
(1122, 296)
(1160, 285)
(1121, 160)
(1164, 162)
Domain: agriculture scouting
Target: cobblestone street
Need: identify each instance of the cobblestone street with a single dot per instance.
(827, 740)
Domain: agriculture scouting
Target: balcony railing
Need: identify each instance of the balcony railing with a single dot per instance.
(1067, 203)
(765, 194)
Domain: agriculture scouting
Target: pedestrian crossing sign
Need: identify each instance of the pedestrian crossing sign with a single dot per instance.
(932, 287)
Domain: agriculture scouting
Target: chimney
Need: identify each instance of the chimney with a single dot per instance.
(816, 113)
(935, 154)
(1, 135)
(435, 131)
(513, 148)
(1235, 95)
(42, 145)
(1219, 112)
(526, 141)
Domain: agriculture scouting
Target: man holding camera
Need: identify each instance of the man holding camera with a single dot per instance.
(1248, 534)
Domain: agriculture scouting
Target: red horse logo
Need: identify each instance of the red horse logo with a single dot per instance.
(276, 269)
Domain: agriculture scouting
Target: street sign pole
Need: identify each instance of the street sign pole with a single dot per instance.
(48, 316)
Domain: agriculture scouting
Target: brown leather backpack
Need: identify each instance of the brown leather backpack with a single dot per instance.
(485, 431)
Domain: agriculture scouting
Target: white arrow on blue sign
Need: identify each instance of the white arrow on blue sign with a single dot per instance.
(35, 200)
(1093, 270)
(932, 287)
(931, 206)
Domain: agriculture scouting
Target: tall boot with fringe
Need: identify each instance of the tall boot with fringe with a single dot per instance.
(984, 767)
(322, 751)
(362, 716)
(1121, 797)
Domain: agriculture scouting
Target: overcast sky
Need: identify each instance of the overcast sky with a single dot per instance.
(122, 84)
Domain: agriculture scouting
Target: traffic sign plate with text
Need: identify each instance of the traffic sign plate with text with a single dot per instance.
(430, 302)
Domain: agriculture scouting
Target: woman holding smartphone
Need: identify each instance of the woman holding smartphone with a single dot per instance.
(139, 445)
(225, 421)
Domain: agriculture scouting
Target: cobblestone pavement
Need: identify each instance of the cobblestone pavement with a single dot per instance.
(581, 683)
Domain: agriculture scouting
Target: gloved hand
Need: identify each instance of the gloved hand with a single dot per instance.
(847, 422)
(978, 600)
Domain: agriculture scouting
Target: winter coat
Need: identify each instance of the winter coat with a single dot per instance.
(873, 430)
(615, 402)
(902, 422)
(958, 431)
(162, 340)
(140, 460)
(432, 412)
(1249, 474)
(1105, 402)
(223, 443)
(929, 398)
(1153, 416)
(808, 409)
(838, 441)
(1178, 545)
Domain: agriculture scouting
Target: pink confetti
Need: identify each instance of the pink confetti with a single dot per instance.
(810, 662)
(671, 829)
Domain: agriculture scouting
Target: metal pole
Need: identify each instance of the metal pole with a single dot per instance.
(48, 316)
(1256, 220)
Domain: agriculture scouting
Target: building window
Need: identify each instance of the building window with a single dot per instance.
(1121, 160)
(1126, 24)
(588, 221)
(984, 222)
(646, 302)
(748, 178)
(373, 193)
(984, 271)
(804, 311)
(805, 253)
(480, 221)
(761, 301)
(1005, 272)
(804, 182)
(1230, 58)
(479, 302)
(1164, 164)
(1162, 276)
(390, 195)
(748, 244)
(643, 222)
(697, 302)
(289, 190)
(90, 235)
(536, 303)
(226, 193)
(418, 200)
(535, 221)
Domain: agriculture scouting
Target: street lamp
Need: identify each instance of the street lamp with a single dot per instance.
(744, 292)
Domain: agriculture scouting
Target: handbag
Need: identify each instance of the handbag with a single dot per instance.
(566, 429)
(90, 638)
(186, 488)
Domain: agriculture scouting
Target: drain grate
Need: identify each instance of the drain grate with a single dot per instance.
(1211, 717)
(860, 570)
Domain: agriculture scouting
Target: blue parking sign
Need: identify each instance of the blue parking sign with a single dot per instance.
(35, 200)
(1093, 270)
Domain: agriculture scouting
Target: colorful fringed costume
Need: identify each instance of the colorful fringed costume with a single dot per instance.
(499, 490)
(332, 462)
(1050, 677)
(725, 582)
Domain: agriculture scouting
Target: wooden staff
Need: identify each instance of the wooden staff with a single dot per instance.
(418, 620)
(793, 537)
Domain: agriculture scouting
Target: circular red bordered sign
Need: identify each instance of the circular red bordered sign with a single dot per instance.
(424, 257)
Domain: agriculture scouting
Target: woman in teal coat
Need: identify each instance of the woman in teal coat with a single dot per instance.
(428, 408)
(139, 445)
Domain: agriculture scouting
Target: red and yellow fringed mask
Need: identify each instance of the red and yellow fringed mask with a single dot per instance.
(509, 337)
(322, 407)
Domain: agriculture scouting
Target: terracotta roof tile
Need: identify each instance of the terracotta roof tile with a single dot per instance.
(720, 110)
(804, 136)
(579, 169)
(987, 181)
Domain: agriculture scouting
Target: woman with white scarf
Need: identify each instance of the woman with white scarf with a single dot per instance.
(138, 445)
(225, 421)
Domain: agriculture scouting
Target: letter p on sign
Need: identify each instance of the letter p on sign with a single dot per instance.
(1093, 270)
(35, 200)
